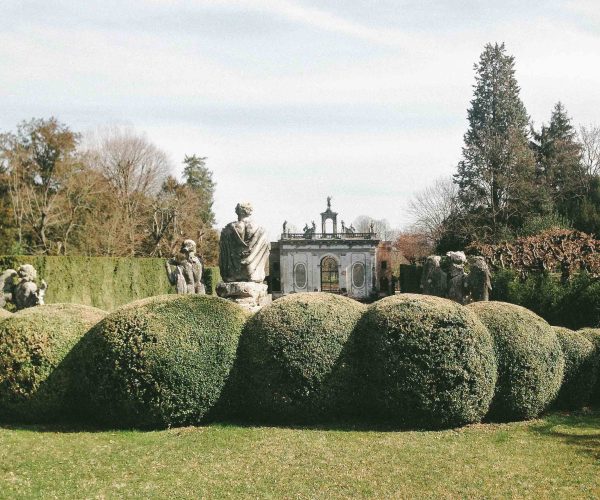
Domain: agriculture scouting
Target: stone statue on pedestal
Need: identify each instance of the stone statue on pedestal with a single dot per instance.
(434, 281)
(25, 293)
(479, 280)
(244, 248)
(243, 257)
(185, 272)
(457, 283)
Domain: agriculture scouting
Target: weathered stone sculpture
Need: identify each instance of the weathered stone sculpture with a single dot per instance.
(25, 293)
(479, 280)
(434, 281)
(7, 285)
(244, 253)
(457, 275)
(185, 272)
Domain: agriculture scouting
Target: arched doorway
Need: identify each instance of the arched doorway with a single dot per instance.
(330, 279)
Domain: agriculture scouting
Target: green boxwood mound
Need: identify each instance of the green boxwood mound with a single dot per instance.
(159, 362)
(530, 360)
(581, 367)
(35, 373)
(593, 335)
(292, 360)
(426, 361)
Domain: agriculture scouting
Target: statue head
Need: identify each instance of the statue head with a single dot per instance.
(27, 272)
(243, 210)
(188, 247)
(478, 262)
(434, 260)
(458, 258)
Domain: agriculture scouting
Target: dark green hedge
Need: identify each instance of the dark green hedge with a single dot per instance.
(530, 360)
(103, 282)
(292, 361)
(426, 362)
(35, 372)
(158, 362)
(575, 304)
(581, 365)
(410, 278)
(593, 335)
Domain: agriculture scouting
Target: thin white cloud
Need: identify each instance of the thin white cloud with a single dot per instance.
(321, 19)
(312, 17)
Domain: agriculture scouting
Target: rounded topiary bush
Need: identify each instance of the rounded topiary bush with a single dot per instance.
(580, 373)
(35, 368)
(593, 335)
(530, 360)
(426, 362)
(293, 360)
(159, 362)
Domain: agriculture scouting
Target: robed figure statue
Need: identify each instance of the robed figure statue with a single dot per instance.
(244, 248)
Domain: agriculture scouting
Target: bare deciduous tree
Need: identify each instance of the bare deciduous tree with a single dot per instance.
(135, 169)
(432, 207)
(589, 138)
(382, 227)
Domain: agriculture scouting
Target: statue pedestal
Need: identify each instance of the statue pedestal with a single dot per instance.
(249, 295)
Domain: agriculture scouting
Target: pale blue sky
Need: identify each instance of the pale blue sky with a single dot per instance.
(294, 100)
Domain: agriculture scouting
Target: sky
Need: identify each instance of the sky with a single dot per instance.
(292, 101)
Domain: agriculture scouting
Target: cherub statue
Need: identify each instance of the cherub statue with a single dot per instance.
(185, 272)
(25, 293)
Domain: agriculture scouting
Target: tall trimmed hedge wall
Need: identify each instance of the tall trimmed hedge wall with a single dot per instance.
(102, 282)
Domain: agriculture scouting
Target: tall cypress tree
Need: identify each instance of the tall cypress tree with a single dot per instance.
(495, 176)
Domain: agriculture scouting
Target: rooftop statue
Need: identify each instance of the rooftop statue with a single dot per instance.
(185, 272)
(244, 248)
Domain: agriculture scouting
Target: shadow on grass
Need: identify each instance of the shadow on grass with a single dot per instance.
(346, 426)
(579, 429)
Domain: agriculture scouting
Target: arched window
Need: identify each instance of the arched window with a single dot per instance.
(300, 276)
(330, 280)
(358, 275)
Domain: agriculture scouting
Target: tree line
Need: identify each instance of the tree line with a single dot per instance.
(110, 193)
(514, 179)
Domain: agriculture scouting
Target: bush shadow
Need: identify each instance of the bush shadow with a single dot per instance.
(579, 429)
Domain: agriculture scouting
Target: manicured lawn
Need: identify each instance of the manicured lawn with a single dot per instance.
(558, 456)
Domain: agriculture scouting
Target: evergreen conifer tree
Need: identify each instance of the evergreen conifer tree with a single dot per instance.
(199, 178)
(560, 172)
(495, 176)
